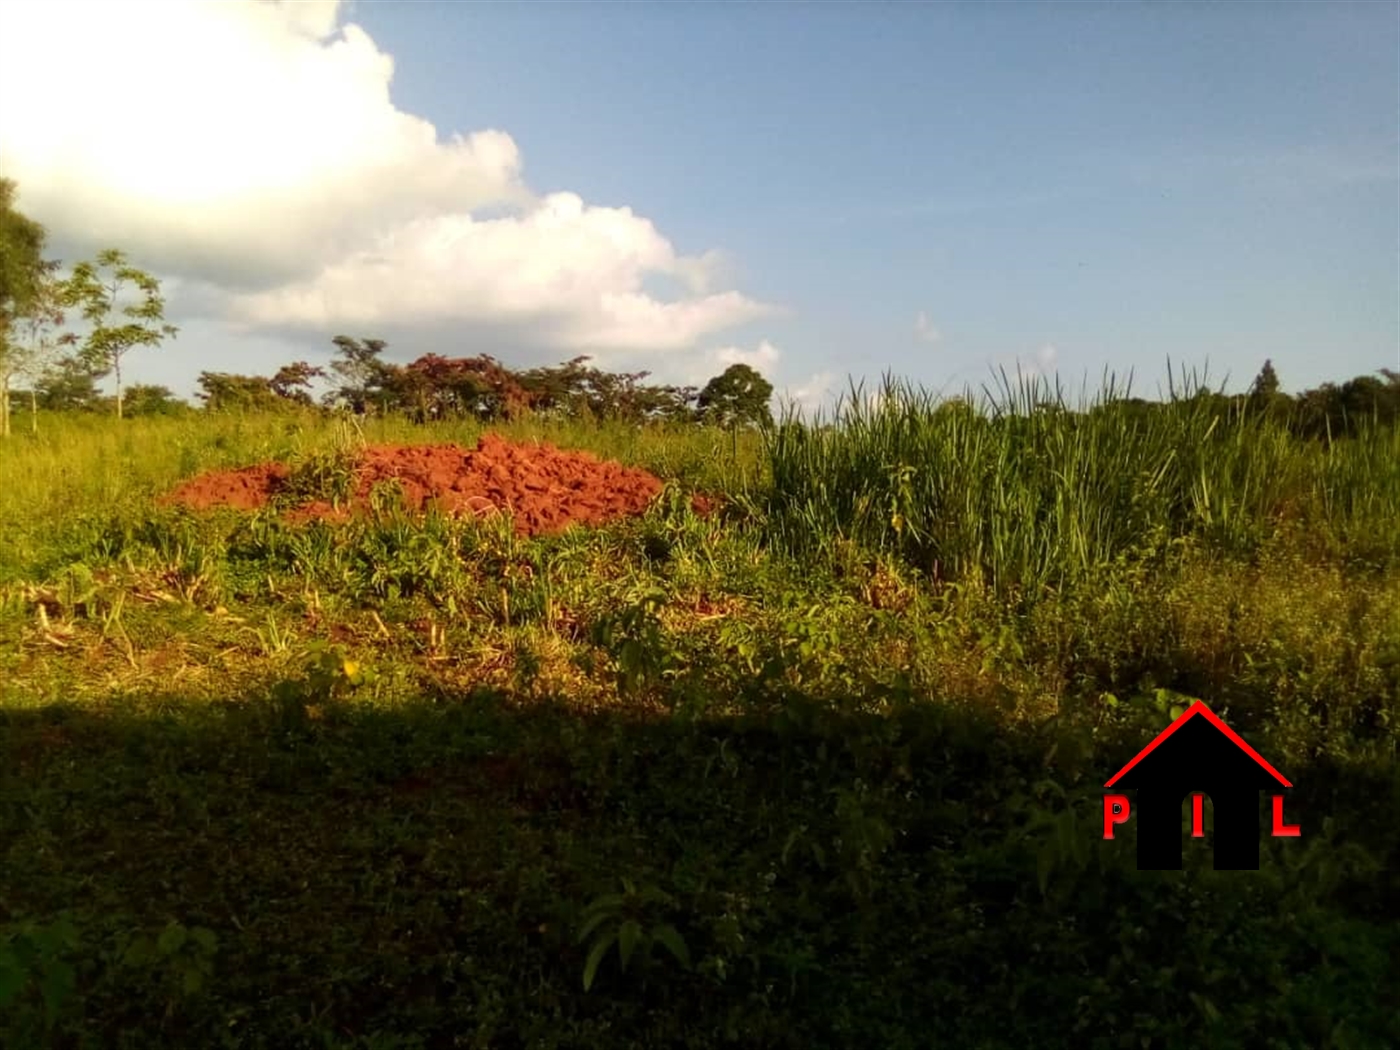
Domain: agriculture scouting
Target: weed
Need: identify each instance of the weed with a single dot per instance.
(374, 769)
(320, 477)
(624, 919)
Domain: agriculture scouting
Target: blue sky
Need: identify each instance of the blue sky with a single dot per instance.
(1071, 186)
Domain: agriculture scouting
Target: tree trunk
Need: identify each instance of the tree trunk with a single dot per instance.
(5, 406)
(34, 409)
(117, 367)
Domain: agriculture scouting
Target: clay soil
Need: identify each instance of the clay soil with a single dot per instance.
(545, 488)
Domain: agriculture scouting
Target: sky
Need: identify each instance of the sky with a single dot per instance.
(828, 192)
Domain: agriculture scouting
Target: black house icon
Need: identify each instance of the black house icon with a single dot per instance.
(1198, 752)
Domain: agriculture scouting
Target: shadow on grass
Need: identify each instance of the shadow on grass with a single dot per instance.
(420, 876)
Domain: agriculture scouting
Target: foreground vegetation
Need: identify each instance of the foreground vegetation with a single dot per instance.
(825, 770)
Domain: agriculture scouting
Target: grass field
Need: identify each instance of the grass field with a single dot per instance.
(825, 770)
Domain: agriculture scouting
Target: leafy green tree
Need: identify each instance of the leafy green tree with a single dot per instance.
(479, 387)
(1265, 396)
(363, 372)
(34, 345)
(98, 295)
(1340, 410)
(22, 269)
(293, 382)
(576, 391)
(21, 256)
(670, 404)
(68, 386)
(1369, 399)
(146, 399)
(559, 389)
(226, 392)
(1266, 383)
(738, 396)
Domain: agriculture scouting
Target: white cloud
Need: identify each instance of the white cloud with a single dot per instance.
(705, 272)
(818, 393)
(253, 148)
(699, 367)
(572, 271)
(924, 330)
(763, 358)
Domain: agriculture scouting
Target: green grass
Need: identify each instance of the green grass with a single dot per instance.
(827, 771)
(1020, 497)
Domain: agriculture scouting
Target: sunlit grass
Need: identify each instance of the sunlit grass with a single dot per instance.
(854, 736)
(81, 465)
(1019, 491)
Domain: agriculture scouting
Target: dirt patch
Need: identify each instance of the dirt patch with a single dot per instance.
(246, 489)
(545, 488)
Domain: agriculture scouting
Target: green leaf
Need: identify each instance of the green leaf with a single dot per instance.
(627, 937)
(138, 952)
(607, 902)
(204, 939)
(667, 937)
(595, 958)
(64, 933)
(12, 977)
(57, 986)
(791, 841)
(592, 924)
(172, 939)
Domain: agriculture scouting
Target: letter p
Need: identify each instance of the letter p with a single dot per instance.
(1115, 811)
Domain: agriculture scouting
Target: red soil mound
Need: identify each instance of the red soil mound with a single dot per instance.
(545, 488)
(246, 489)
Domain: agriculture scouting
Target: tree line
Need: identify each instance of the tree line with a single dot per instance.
(35, 304)
(1327, 412)
(60, 371)
(481, 387)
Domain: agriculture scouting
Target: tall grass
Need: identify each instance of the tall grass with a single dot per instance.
(83, 467)
(1019, 489)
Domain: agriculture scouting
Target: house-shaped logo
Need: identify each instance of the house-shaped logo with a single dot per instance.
(1197, 754)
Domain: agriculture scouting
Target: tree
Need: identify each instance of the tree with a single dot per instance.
(1266, 383)
(1264, 395)
(739, 396)
(1335, 411)
(363, 371)
(22, 269)
(573, 390)
(35, 343)
(224, 391)
(293, 382)
(98, 294)
(146, 399)
(69, 385)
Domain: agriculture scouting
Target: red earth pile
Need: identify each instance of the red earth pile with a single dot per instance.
(545, 488)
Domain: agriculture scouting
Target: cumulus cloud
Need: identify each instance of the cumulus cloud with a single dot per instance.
(818, 393)
(924, 330)
(574, 272)
(700, 366)
(762, 358)
(252, 149)
(225, 141)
